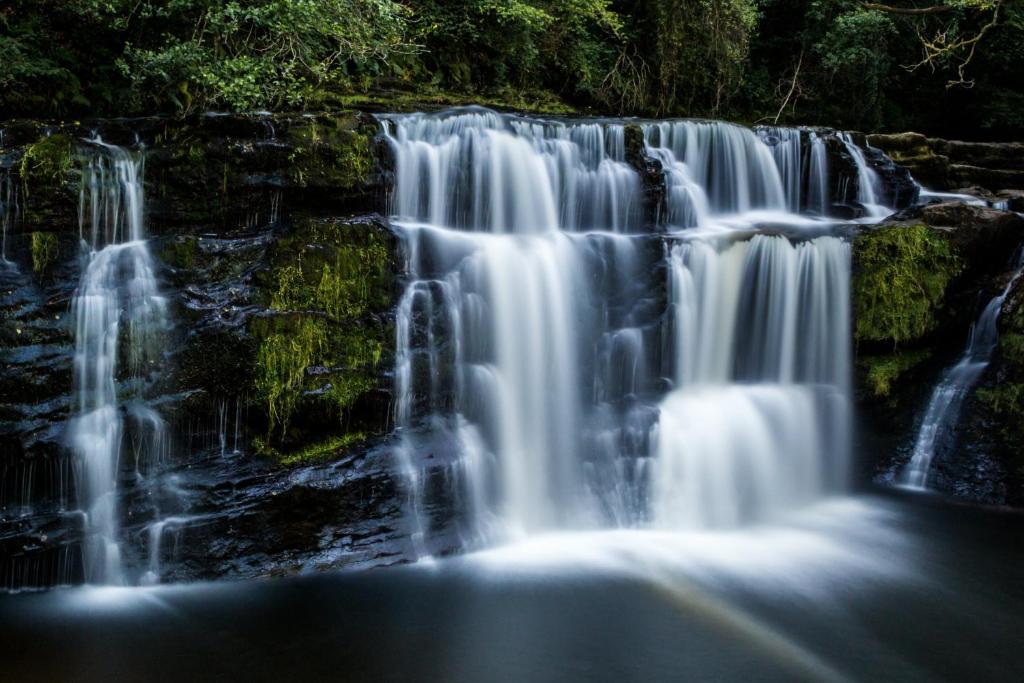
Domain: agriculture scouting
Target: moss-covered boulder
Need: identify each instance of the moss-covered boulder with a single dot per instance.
(226, 172)
(326, 336)
(900, 280)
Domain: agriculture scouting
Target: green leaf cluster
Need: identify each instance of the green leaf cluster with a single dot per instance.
(825, 62)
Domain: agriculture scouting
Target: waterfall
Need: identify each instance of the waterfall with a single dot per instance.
(953, 387)
(471, 170)
(10, 209)
(734, 167)
(759, 420)
(802, 160)
(533, 351)
(817, 176)
(868, 182)
(787, 150)
(686, 203)
(118, 287)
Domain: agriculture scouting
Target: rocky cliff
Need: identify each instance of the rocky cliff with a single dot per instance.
(281, 283)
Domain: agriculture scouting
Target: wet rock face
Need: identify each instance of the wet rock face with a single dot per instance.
(280, 288)
(990, 466)
(652, 175)
(947, 261)
(247, 517)
(949, 164)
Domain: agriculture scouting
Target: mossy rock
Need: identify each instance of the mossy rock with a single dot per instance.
(321, 349)
(320, 451)
(47, 162)
(331, 152)
(45, 252)
(180, 252)
(884, 373)
(1005, 403)
(1004, 398)
(427, 98)
(900, 280)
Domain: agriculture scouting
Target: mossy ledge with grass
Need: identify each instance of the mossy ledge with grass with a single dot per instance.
(901, 277)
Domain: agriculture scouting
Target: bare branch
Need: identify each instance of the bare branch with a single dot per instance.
(934, 9)
(942, 45)
(792, 87)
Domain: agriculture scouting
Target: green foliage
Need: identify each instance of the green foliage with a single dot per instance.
(900, 282)
(830, 62)
(329, 280)
(854, 54)
(47, 161)
(883, 372)
(44, 251)
(486, 46)
(245, 55)
(697, 52)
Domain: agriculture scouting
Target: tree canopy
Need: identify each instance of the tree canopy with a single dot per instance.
(934, 66)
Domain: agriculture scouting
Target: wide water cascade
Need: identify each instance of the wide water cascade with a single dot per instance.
(119, 315)
(567, 366)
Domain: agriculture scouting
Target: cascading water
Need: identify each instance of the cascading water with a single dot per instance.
(787, 150)
(949, 394)
(730, 163)
(532, 360)
(10, 208)
(759, 420)
(471, 172)
(802, 160)
(868, 182)
(118, 286)
(817, 176)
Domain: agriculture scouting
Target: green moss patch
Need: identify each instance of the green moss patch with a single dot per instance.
(883, 373)
(180, 253)
(900, 282)
(333, 152)
(320, 451)
(44, 251)
(323, 349)
(47, 161)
